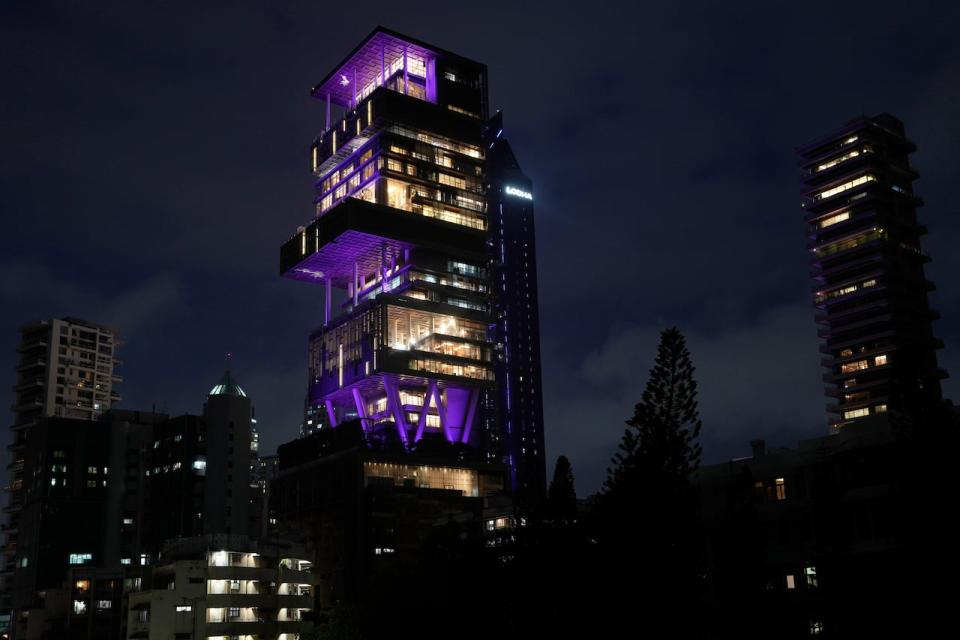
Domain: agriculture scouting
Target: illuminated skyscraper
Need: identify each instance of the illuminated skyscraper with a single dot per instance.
(869, 288)
(403, 232)
(519, 425)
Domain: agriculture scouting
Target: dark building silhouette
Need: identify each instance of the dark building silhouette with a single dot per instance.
(808, 539)
(364, 510)
(102, 498)
(82, 511)
(518, 428)
(201, 470)
(66, 368)
(870, 290)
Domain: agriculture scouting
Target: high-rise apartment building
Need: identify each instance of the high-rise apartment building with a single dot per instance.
(870, 291)
(66, 368)
(83, 496)
(518, 433)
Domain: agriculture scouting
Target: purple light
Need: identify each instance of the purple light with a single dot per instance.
(382, 52)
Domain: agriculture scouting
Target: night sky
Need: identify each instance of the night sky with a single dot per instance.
(153, 158)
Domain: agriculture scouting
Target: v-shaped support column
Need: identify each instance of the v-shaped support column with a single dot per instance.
(361, 410)
(393, 403)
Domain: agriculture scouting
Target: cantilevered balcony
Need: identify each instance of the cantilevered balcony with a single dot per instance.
(355, 236)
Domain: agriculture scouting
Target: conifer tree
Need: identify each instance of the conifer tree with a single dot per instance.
(648, 510)
(562, 497)
(661, 437)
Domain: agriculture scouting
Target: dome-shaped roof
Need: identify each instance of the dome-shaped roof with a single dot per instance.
(228, 387)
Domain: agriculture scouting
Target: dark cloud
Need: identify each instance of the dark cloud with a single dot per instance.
(155, 157)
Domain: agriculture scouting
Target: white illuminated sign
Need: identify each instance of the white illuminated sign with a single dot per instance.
(519, 193)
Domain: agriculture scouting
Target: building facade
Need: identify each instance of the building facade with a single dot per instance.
(67, 368)
(401, 226)
(402, 233)
(82, 512)
(517, 432)
(870, 292)
(201, 472)
(219, 587)
(365, 511)
(806, 541)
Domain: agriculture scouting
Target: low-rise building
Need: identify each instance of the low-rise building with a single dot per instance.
(220, 587)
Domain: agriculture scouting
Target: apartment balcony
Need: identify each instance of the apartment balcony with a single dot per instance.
(34, 344)
(29, 383)
(26, 405)
(31, 363)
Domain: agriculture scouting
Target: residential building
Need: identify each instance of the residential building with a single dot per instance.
(217, 587)
(867, 263)
(82, 509)
(67, 368)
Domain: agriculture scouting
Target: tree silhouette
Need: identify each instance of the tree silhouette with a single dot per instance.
(661, 437)
(648, 511)
(562, 497)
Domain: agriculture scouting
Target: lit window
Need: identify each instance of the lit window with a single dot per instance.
(846, 186)
(80, 558)
(854, 366)
(856, 413)
(791, 582)
(79, 607)
(184, 608)
(92, 470)
(880, 408)
(104, 604)
(836, 161)
(810, 575)
(781, 489)
(880, 360)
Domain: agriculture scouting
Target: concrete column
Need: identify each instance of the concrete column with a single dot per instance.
(327, 128)
(328, 296)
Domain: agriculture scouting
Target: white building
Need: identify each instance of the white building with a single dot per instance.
(225, 588)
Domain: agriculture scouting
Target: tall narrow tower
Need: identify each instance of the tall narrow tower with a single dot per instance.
(519, 431)
(67, 368)
(400, 232)
(869, 288)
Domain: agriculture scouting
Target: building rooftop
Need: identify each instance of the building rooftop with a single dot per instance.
(228, 387)
(378, 55)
